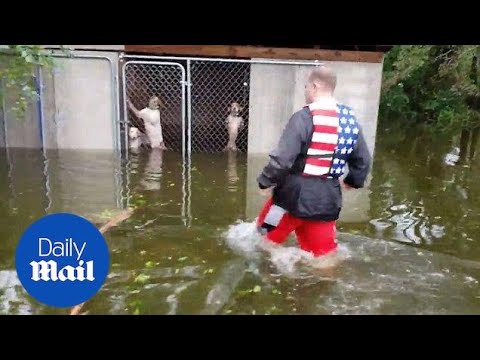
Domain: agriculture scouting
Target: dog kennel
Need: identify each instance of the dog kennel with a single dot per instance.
(197, 94)
(201, 91)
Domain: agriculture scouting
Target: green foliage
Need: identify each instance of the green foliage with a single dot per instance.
(18, 68)
(141, 279)
(434, 85)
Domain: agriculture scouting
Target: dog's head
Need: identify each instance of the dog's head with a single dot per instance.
(235, 109)
(133, 133)
(155, 103)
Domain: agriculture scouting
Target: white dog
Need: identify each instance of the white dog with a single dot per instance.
(137, 138)
(234, 125)
(151, 118)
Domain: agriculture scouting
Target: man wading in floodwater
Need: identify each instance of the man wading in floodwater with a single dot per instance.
(305, 168)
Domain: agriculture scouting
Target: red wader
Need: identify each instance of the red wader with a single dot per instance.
(317, 237)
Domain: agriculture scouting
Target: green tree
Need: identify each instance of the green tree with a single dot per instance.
(433, 85)
(18, 68)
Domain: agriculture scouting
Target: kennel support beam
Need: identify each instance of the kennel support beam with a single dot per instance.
(233, 51)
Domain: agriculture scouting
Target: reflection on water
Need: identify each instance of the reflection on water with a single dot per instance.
(152, 174)
(70, 177)
(232, 171)
(191, 247)
(12, 299)
(420, 195)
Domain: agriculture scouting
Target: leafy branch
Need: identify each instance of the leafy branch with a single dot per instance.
(434, 85)
(19, 66)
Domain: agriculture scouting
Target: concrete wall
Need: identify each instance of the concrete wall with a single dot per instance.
(79, 103)
(20, 133)
(255, 165)
(272, 89)
(277, 91)
(359, 86)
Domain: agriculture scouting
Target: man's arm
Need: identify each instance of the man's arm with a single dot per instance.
(359, 163)
(285, 154)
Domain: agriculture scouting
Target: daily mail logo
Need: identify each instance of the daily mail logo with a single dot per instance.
(62, 260)
(49, 270)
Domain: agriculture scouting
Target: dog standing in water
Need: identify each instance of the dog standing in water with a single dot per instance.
(234, 125)
(137, 138)
(151, 118)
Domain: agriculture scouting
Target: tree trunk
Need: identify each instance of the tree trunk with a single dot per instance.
(473, 142)
(464, 139)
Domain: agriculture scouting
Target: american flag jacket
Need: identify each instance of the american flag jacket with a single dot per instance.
(335, 134)
(316, 146)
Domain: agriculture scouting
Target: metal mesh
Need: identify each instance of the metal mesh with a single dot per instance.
(142, 81)
(214, 87)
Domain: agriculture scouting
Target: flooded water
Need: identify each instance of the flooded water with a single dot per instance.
(191, 248)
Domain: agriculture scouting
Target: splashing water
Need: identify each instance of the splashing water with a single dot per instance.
(366, 275)
(291, 261)
(242, 238)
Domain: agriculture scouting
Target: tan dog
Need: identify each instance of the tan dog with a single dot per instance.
(151, 118)
(234, 125)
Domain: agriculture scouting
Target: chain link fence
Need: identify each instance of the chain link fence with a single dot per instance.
(146, 79)
(215, 85)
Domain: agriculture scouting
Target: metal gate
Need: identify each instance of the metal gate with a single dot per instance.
(197, 94)
(215, 86)
(197, 97)
(167, 80)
